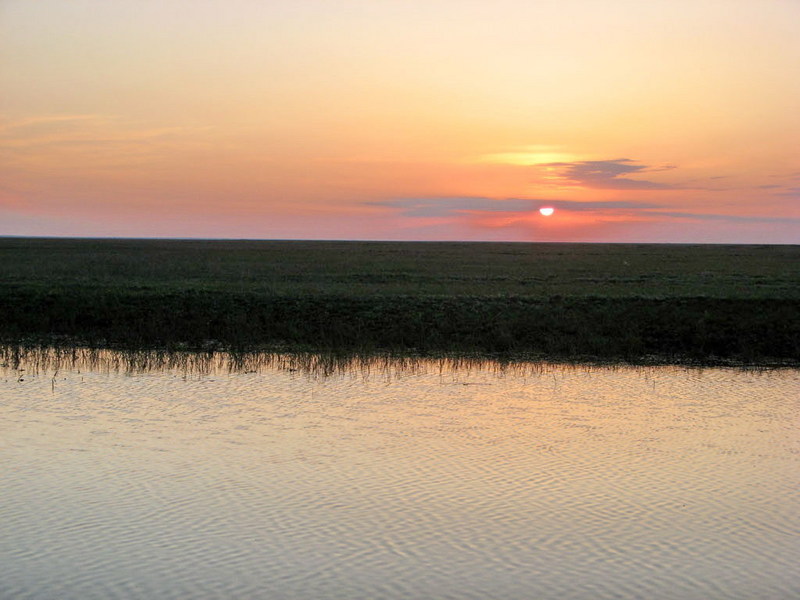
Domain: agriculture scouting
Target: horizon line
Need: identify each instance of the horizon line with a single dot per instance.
(379, 241)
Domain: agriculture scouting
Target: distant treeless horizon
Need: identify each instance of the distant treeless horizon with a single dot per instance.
(662, 121)
(166, 238)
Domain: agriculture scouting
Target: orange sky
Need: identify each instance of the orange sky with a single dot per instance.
(668, 121)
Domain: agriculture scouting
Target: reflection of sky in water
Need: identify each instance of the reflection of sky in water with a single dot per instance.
(424, 479)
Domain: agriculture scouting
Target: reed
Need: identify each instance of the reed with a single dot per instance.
(562, 301)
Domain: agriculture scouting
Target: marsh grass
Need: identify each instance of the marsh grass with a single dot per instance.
(22, 362)
(41, 360)
(564, 301)
(366, 269)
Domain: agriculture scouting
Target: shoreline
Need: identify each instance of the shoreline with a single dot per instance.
(617, 330)
(42, 356)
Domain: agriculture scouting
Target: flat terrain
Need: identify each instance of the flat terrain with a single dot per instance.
(609, 301)
(391, 268)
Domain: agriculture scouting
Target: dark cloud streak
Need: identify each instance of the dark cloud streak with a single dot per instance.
(448, 207)
(608, 174)
(451, 206)
(718, 217)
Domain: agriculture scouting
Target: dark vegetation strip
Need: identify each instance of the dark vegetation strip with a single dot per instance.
(366, 269)
(628, 302)
(699, 329)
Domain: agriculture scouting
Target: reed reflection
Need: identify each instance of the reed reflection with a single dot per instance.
(52, 359)
(310, 476)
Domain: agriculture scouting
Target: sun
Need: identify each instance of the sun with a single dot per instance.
(546, 211)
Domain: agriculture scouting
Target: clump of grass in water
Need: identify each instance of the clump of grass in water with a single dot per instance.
(51, 360)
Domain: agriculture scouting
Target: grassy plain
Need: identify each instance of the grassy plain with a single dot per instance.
(609, 301)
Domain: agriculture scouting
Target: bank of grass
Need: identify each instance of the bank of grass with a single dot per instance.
(558, 301)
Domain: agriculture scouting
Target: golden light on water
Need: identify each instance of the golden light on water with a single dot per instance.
(458, 476)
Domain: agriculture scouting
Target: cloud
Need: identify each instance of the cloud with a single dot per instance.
(46, 121)
(584, 206)
(453, 206)
(608, 174)
(720, 217)
(81, 131)
(792, 192)
(448, 207)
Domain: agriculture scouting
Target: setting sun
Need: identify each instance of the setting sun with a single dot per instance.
(547, 211)
(413, 120)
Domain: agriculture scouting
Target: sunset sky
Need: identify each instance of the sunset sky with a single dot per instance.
(657, 120)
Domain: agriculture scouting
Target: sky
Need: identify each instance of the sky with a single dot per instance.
(659, 121)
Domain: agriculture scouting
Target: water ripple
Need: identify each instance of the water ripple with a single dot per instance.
(434, 480)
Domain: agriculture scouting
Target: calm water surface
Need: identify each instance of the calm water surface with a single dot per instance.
(396, 480)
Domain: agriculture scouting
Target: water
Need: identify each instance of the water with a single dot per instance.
(295, 478)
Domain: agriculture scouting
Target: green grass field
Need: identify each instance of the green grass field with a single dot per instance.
(704, 303)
